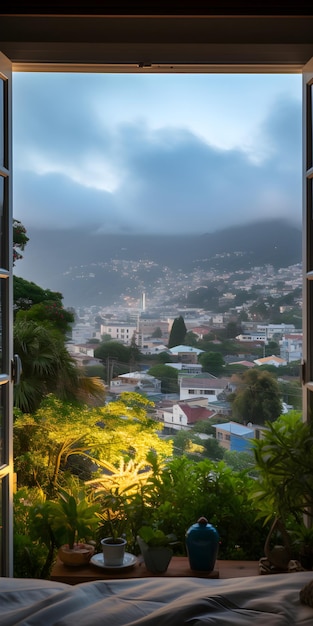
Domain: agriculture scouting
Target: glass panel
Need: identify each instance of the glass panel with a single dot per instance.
(310, 127)
(2, 94)
(1, 529)
(1, 324)
(1, 218)
(2, 428)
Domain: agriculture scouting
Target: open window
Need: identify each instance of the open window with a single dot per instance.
(226, 45)
(6, 321)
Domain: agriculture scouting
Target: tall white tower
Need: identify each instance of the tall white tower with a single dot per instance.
(143, 302)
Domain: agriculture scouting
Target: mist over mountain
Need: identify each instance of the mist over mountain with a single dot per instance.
(96, 269)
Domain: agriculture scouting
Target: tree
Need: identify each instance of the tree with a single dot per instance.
(157, 333)
(134, 353)
(20, 240)
(26, 294)
(48, 368)
(212, 362)
(109, 436)
(49, 312)
(285, 469)
(178, 332)
(232, 330)
(115, 358)
(167, 375)
(191, 339)
(257, 398)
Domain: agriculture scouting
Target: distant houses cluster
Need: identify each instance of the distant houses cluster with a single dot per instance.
(201, 396)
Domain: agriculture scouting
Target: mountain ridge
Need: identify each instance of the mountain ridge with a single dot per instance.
(86, 267)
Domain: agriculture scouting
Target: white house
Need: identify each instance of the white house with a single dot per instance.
(186, 368)
(119, 331)
(291, 347)
(183, 415)
(136, 380)
(207, 386)
(252, 336)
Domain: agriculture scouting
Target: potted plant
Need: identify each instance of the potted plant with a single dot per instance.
(114, 545)
(302, 537)
(73, 520)
(156, 548)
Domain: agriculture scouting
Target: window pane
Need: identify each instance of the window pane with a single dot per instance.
(1, 528)
(2, 122)
(310, 128)
(2, 447)
(1, 325)
(1, 219)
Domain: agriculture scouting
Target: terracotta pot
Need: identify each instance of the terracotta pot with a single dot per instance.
(113, 550)
(80, 554)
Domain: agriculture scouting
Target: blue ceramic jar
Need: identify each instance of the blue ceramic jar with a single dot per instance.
(202, 541)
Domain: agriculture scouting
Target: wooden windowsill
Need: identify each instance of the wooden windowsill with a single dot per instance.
(179, 566)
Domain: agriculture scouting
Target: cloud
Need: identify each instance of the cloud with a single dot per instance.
(115, 175)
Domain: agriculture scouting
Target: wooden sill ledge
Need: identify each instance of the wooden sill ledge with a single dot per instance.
(179, 566)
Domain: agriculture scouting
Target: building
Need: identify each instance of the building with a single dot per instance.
(291, 347)
(236, 437)
(135, 381)
(275, 331)
(119, 331)
(183, 415)
(186, 368)
(205, 385)
(271, 360)
(186, 354)
(252, 337)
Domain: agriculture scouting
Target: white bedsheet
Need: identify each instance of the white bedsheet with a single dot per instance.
(260, 600)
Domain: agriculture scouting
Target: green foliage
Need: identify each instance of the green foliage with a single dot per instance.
(156, 537)
(115, 357)
(212, 362)
(95, 370)
(49, 313)
(20, 240)
(291, 392)
(178, 332)
(188, 443)
(186, 490)
(44, 442)
(73, 517)
(240, 461)
(26, 294)
(257, 398)
(157, 333)
(167, 375)
(47, 368)
(32, 554)
(285, 464)
(191, 339)
(164, 357)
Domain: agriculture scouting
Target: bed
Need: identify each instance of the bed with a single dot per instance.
(260, 600)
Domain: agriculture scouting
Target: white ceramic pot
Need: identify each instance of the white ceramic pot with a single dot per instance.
(113, 551)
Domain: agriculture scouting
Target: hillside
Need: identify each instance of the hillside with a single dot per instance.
(96, 269)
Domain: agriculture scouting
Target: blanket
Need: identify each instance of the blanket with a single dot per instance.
(256, 601)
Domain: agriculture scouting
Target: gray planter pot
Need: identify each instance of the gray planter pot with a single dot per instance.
(156, 558)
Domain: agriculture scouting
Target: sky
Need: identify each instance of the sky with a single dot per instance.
(146, 153)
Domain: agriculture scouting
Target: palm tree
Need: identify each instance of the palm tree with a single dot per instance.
(47, 367)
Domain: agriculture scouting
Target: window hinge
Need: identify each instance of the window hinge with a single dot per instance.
(16, 369)
(303, 373)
